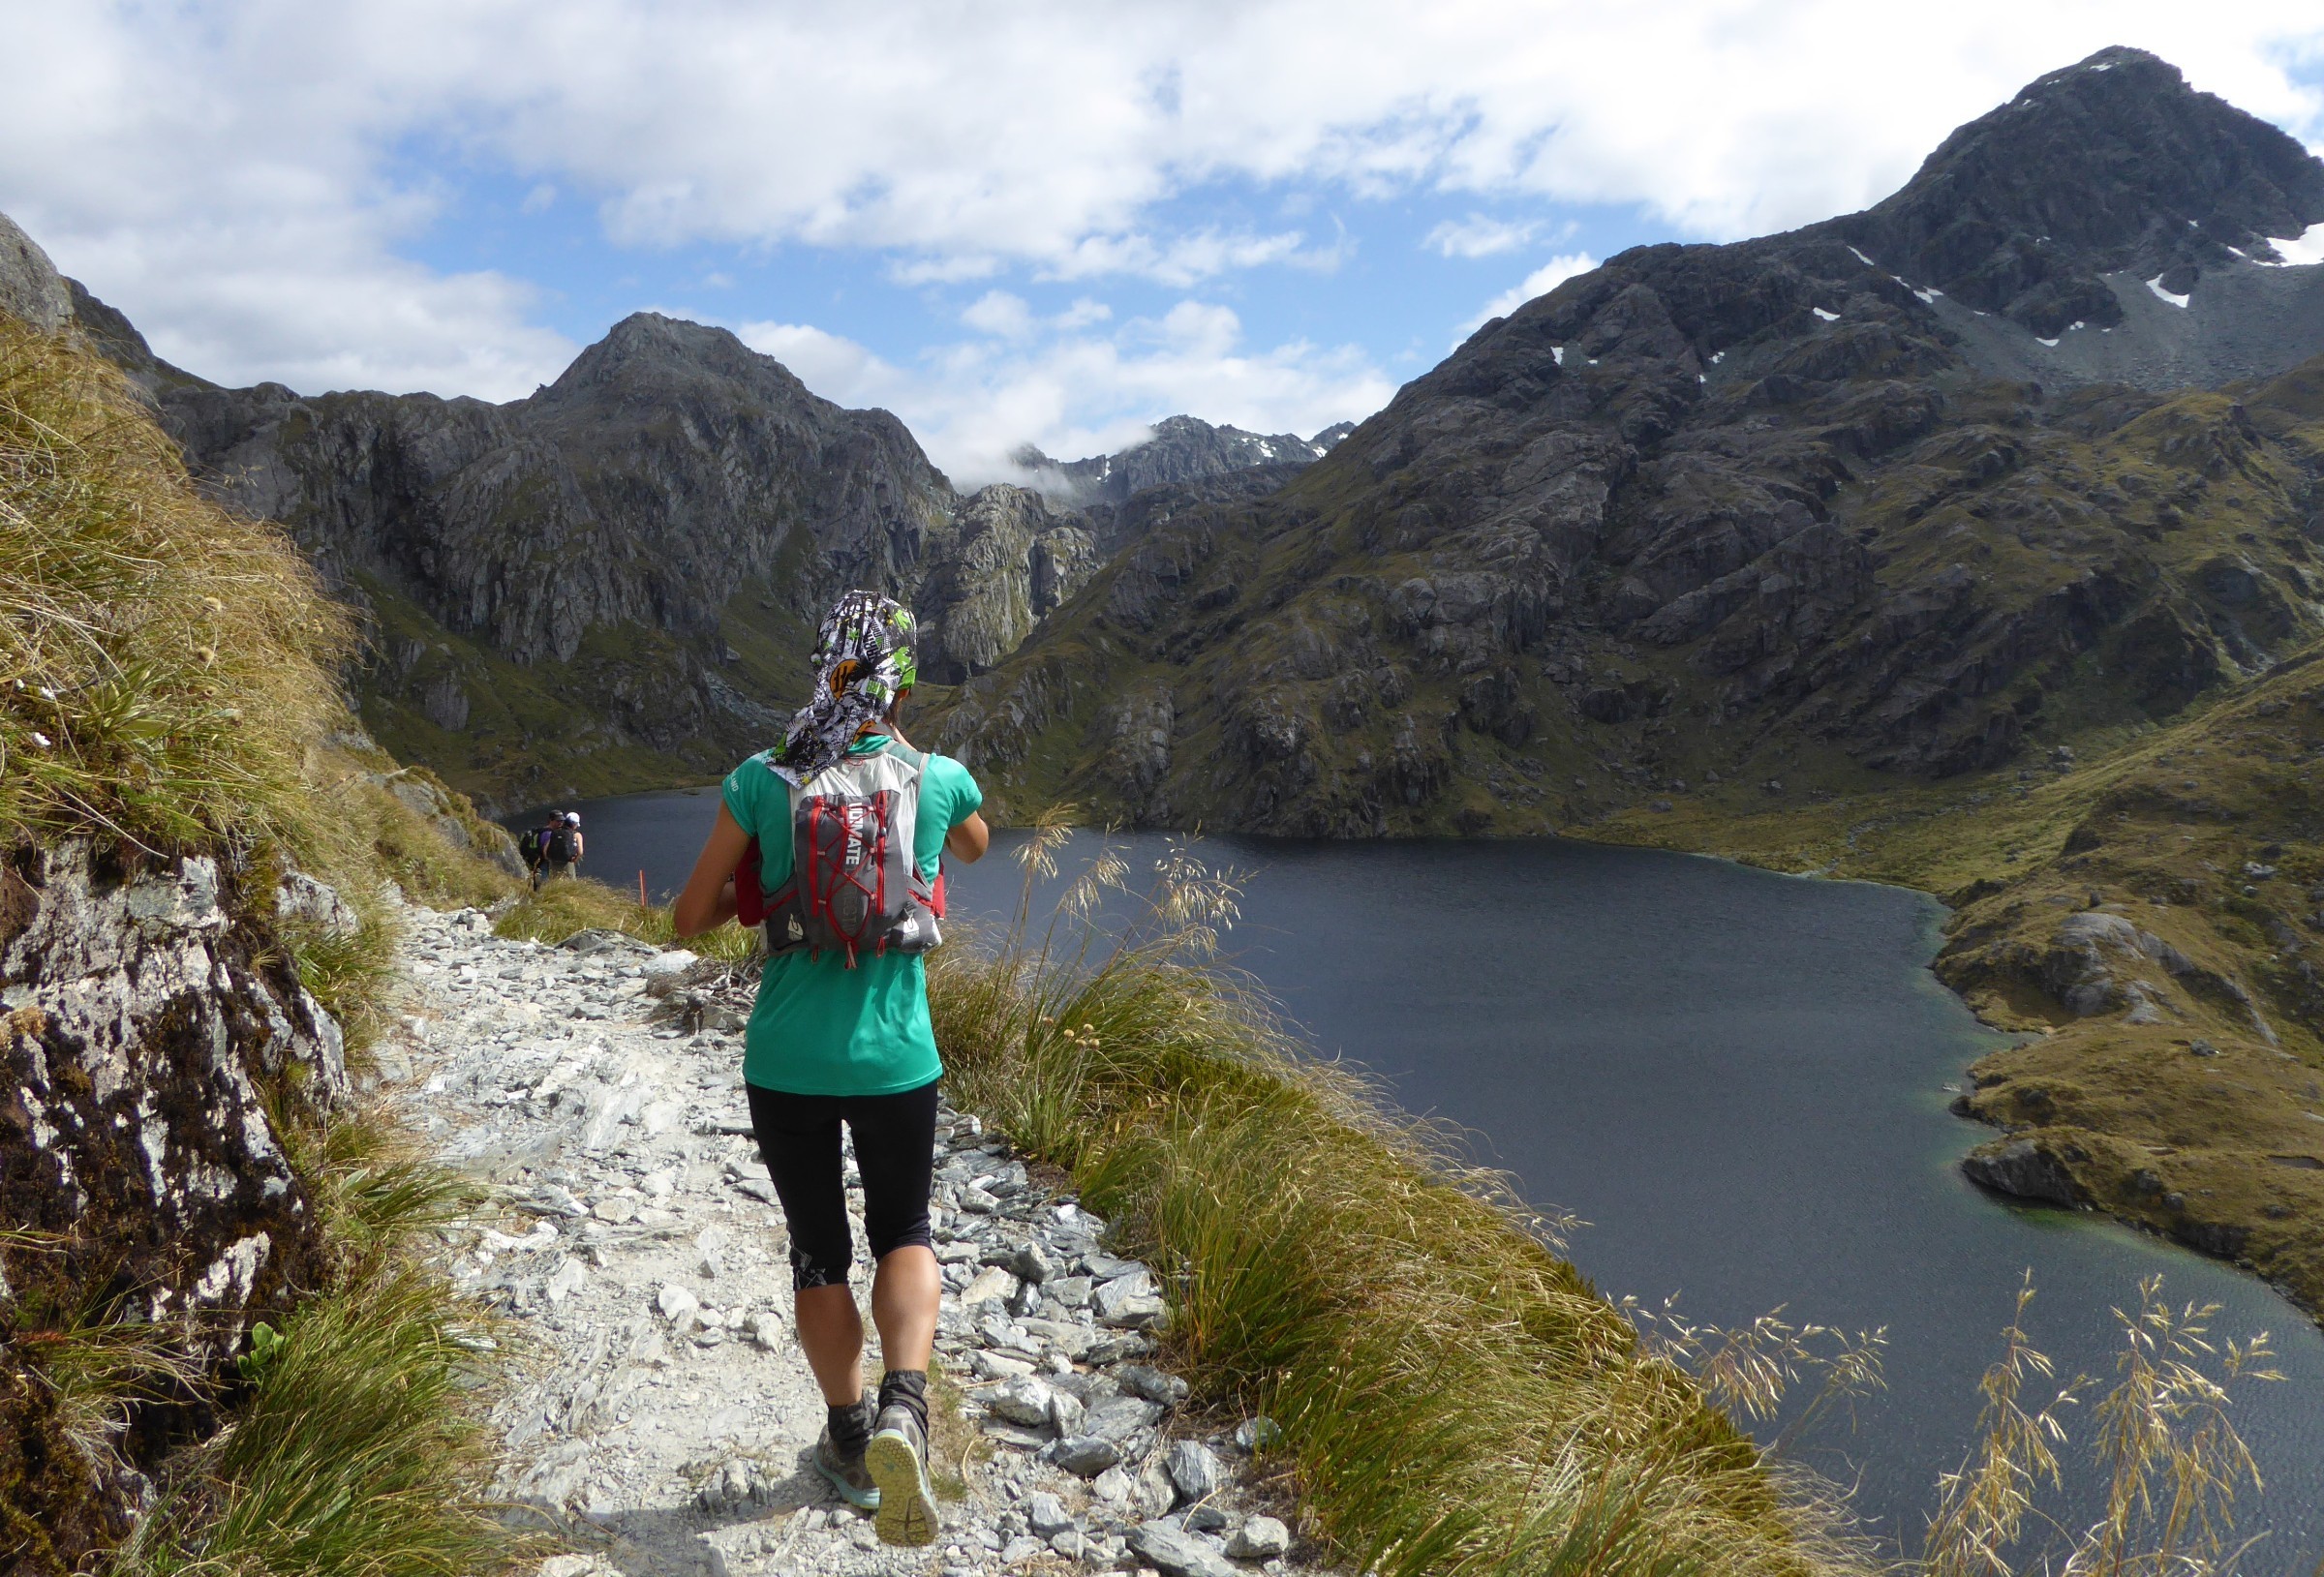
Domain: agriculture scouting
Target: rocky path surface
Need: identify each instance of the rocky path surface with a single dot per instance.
(663, 1414)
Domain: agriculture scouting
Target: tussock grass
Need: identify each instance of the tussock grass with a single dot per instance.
(96, 1372)
(356, 1451)
(1455, 1396)
(369, 835)
(163, 666)
(358, 1447)
(353, 974)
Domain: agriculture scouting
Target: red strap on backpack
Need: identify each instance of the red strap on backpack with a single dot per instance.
(751, 898)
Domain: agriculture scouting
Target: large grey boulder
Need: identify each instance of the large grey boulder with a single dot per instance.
(146, 1039)
(1176, 1553)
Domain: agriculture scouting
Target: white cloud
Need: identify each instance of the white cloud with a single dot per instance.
(955, 270)
(997, 312)
(1185, 259)
(1008, 317)
(1541, 282)
(224, 187)
(540, 200)
(1478, 236)
(1074, 393)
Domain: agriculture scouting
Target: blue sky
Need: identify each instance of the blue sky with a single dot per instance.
(1032, 222)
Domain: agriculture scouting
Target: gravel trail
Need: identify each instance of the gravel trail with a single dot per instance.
(662, 1412)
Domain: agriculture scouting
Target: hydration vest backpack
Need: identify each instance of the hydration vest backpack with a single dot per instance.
(529, 845)
(559, 846)
(854, 883)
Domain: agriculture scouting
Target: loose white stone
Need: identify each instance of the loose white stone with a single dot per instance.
(565, 1280)
(1262, 1538)
(1022, 1400)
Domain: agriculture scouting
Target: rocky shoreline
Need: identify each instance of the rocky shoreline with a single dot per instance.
(662, 1414)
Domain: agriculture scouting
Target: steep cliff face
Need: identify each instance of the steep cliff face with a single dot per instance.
(150, 1039)
(668, 465)
(556, 581)
(1004, 565)
(1761, 511)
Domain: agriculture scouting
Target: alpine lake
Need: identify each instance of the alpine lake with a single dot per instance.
(1736, 1082)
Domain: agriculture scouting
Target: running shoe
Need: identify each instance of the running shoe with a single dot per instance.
(898, 1460)
(846, 1472)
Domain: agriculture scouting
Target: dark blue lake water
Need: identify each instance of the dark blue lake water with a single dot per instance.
(1739, 1079)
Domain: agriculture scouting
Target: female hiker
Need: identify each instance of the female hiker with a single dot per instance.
(849, 824)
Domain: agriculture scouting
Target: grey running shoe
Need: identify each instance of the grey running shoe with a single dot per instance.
(898, 1460)
(848, 1474)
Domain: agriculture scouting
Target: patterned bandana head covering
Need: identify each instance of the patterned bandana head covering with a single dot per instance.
(863, 661)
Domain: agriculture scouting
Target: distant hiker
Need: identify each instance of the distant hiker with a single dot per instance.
(533, 846)
(560, 848)
(840, 1031)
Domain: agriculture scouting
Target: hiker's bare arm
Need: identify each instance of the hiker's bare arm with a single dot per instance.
(707, 900)
(966, 842)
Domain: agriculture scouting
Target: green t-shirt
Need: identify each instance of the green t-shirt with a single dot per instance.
(819, 1027)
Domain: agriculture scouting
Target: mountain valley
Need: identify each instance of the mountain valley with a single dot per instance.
(1975, 540)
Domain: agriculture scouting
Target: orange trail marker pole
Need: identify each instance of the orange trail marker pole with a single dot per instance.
(641, 889)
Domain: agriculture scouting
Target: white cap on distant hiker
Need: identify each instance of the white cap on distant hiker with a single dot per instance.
(572, 818)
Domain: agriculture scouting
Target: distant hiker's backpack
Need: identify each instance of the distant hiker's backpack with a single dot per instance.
(529, 845)
(559, 845)
(854, 883)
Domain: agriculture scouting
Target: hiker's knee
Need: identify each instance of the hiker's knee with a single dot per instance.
(902, 1230)
(820, 1260)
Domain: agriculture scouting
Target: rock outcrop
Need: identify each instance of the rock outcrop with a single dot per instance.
(2022, 1170)
(30, 287)
(1779, 511)
(149, 1035)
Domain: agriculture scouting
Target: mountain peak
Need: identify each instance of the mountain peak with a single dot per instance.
(650, 350)
(2113, 163)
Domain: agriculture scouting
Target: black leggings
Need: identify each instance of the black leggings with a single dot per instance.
(895, 1151)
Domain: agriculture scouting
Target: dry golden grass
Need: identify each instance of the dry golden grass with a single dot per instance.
(2163, 1443)
(163, 666)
